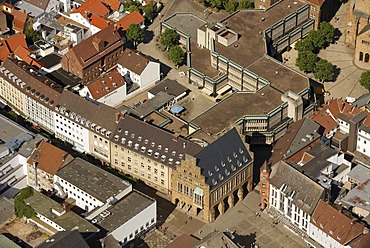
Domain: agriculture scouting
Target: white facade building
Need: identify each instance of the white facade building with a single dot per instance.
(138, 68)
(294, 197)
(363, 139)
(72, 132)
(90, 186)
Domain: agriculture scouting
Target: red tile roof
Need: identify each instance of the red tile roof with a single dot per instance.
(336, 224)
(19, 20)
(49, 158)
(105, 85)
(113, 4)
(134, 61)
(98, 21)
(132, 18)
(9, 45)
(325, 115)
(24, 53)
(92, 6)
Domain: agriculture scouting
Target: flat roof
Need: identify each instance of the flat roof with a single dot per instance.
(171, 87)
(6, 210)
(360, 173)
(157, 102)
(50, 60)
(12, 134)
(69, 220)
(236, 106)
(359, 196)
(187, 23)
(64, 78)
(95, 181)
(124, 210)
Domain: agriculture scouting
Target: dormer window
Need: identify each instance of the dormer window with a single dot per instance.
(159, 147)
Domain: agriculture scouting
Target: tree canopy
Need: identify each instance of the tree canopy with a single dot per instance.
(169, 38)
(230, 6)
(176, 55)
(304, 45)
(326, 32)
(20, 207)
(149, 11)
(135, 34)
(365, 80)
(306, 61)
(324, 70)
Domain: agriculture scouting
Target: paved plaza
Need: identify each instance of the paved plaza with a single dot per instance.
(341, 56)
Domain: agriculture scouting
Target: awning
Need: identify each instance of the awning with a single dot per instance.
(177, 109)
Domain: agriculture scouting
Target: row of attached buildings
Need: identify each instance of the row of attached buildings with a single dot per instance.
(325, 197)
(131, 145)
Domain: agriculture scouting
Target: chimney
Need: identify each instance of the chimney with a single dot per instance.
(98, 44)
(175, 137)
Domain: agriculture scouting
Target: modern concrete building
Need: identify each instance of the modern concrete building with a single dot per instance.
(210, 182)
(268, 95)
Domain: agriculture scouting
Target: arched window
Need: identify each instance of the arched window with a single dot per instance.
(366, 57)
(361, 56)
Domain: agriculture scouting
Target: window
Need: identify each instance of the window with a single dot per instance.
(129, 167)
(162, 173)
(156, 171)
(149, 167)
(129, 159)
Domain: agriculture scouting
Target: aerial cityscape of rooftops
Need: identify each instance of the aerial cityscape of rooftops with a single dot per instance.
(185, 123)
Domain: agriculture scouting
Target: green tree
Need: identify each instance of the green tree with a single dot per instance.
(169, 38)
(176, 55)
(135, 34)
(304, 45)
(324, 70)
(20, 207)
(230, 6)
(306, 61)
(216, 4)
(149, 11)
(245, 4)
(316, 39)
(31, 35)
(365, 80)
(326, 31)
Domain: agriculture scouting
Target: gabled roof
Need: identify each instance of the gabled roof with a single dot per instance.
(98, 21)
(133, 61)
(132, 18)
(19, 20)
(223, 158)
(41, 4)
(49, 158)
(340, 227)
(3, 24)
(86, 50)
(337, 108)
(307, 192)
(24, 53)
(92, 6)
(9, 45)
(106, 84)
(113, 4)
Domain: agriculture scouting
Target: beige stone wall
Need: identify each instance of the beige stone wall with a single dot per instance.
(363, 46)
(138, 165)
(44, 180)
(99, 146)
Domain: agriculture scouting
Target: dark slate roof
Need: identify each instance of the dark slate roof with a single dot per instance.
(160, 145)
(363, 100)
(64, 78)
(171, 87)
(320, 154)
(65, 239)
(307, 192)
(157, 102)
(223, 158)
(50, 60)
